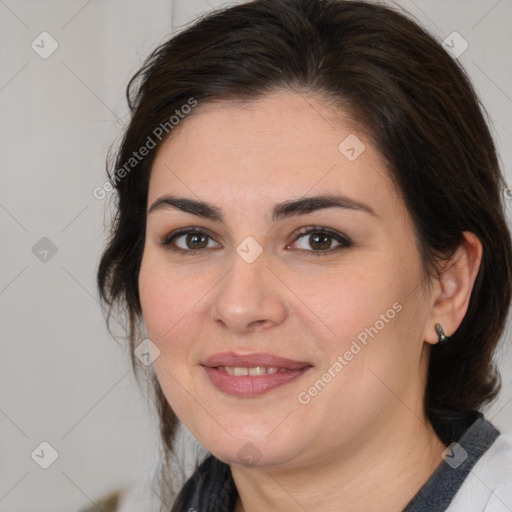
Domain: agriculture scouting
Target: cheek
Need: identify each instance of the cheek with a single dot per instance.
(349, 302)
(166, 300)
(371, 319)
(168, 307)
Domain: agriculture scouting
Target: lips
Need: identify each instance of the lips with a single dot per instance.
(252, 360)
(249, 375)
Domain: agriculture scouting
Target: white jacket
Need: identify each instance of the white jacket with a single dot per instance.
(488, 487)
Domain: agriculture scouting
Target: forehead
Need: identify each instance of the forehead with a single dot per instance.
(279, 146)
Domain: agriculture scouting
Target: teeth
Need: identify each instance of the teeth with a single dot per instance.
(240, 371)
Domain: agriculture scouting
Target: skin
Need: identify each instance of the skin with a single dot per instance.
(363, 442)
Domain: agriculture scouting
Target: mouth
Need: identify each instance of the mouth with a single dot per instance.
(250, 375)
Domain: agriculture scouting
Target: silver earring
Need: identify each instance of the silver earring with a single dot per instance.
(442, 338)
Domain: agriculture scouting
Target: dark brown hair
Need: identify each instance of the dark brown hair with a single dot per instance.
(411, 97)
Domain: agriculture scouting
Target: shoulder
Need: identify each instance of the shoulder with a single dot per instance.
(488, 488)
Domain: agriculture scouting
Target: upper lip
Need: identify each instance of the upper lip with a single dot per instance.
(233, 359)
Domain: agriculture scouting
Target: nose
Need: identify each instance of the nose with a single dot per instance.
(249, 297)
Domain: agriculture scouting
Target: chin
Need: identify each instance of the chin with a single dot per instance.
(252, 445)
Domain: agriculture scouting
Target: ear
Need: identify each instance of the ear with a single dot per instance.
(451, 293)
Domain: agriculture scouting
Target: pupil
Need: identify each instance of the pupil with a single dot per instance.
(195, 240)
(320, 241)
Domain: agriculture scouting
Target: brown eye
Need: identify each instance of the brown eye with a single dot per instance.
(196, 241)
(318, 241)
(188, 241)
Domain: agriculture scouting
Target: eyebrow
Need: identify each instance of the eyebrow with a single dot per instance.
(289, 208)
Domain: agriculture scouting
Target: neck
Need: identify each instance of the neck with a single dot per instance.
(384, 473)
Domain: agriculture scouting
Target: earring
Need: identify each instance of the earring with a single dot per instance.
(442, 338)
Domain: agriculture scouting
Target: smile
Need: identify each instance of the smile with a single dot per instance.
(250, 375)
(240, 371)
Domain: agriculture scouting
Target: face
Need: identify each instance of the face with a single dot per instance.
(281, 283)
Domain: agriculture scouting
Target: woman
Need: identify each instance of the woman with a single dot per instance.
(310, 235)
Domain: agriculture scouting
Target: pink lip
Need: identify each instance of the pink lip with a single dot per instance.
(252, 360)
(247, 385)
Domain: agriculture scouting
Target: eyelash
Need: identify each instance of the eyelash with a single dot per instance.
(344, 241)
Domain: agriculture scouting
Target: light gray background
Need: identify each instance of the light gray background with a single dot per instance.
(63, 379)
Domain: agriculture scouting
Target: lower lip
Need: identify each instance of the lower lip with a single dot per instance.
(250, 386)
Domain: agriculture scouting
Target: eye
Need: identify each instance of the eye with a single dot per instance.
(317, 241)
(320, 240)
(188, 241)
